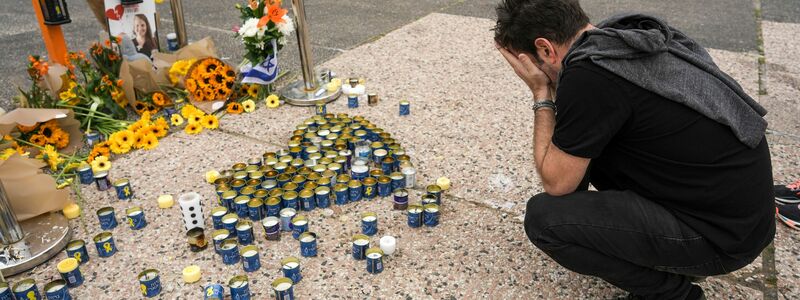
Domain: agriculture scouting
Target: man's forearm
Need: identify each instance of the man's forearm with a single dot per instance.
(544, 123)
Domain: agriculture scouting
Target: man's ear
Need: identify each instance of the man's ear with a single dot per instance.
(545, 49)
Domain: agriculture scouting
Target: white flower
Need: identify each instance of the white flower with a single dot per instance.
(282, 40)
(287, 26)
(249, 28)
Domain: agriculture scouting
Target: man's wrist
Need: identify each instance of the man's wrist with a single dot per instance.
(542, 95)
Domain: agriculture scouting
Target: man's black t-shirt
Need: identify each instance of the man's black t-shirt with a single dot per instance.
(669, 153)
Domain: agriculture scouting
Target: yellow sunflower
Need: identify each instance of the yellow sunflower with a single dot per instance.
(249, 105)
(273, 101)
(100, 164)
(234, 108)
(138, 138)
(157, 131)
(38, 139)
(210, 122)
(50, 156)
(195, 118)
(118, 148)
(159, 99)
(176, 120)
(188, 110)
(62, 140)
(123, 138)
(8, 152)
(149, 142)
(193, 128)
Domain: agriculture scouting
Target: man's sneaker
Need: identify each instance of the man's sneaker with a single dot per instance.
(789, 214)
(789, 193)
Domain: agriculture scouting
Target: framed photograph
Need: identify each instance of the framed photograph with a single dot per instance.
(135, 24)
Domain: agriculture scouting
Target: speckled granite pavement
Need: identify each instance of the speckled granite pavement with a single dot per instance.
(470, 121)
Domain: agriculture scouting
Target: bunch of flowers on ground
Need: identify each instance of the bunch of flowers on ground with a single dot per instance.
(196, 120)
(152, 103)
(210, 79)
(44, 134)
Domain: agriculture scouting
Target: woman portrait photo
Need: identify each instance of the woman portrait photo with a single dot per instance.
(143, 35)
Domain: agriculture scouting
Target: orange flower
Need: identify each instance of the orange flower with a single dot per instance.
(26, 129)
(38, 139)
(234, 108)
(159, 99)
(191, 85)
(274, 13)
(108, 43)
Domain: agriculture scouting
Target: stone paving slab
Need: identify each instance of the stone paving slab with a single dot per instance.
(782, 80)
(781, 10)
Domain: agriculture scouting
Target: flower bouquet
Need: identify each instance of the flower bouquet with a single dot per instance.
(263, 33)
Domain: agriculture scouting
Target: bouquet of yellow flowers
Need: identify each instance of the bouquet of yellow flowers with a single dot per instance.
(43, 134)
(210, 79)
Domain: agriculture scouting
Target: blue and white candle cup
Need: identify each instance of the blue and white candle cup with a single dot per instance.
(359, 170)
(77, 250)
(308, 200)
(321, 108)
(374, 260)
(85, 174)
(244, 232)
(240, 288)
(255, 209)
(384, 186)
(55, 290)
(387, 165)
(104, 242)
(240, 206)
(70, 271)
(226, 200)
(107, 218)
(355, 190)
(136, 218)
(308, 244)
(405, 108)
(287, 214)
(123, 188)
(360, 246)
(398, 180)
(435, 191)
(415, 216)
(216, 216)
(323, 196)
(352, 101)
(26, 289)
(290, 267)
(400, 199)
(251, 261)
(229, 250)
(273, 207)
(272, 228)
(150, 283)
(172, 42)
(213, 291)
(341, 194)
(299, 225)
(5, 291)
(369, 223)
(229, 222)
(370, 188)
(92, 138)
(219, 236)
(430, 215)
(102, 181)
(290, 200)
(283, 288)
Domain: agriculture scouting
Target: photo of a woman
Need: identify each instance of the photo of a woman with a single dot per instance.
(143, 35)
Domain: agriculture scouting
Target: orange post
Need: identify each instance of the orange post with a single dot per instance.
(52, 36)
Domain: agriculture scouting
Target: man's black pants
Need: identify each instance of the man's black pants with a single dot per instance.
(630, 242)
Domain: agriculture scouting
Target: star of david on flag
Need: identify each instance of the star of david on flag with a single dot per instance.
(264, 73)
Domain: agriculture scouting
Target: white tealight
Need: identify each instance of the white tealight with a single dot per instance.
(374, 255)
(300, 223)
(361, 242)
(290, 265)
(249, 253)
(370, 218)
(388, 244)
(270, 222)
(54, 288)
(136, 213)
(307, 239)
(283, 286)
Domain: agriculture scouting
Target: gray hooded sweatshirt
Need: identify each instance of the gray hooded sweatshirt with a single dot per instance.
(649, 53)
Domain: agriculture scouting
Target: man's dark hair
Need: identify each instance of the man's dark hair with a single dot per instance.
(520, 22)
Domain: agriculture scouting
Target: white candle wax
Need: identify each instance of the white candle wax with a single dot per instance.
(388, 244)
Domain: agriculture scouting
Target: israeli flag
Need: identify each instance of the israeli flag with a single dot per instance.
(264, 73)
